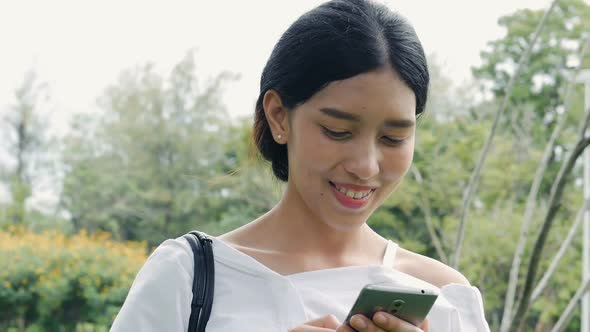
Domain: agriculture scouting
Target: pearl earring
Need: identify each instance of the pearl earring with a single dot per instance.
(279, 137)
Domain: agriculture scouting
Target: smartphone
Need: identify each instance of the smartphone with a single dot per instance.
(409, 304)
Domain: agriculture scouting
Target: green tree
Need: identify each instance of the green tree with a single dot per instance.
(141, 170)
(25, 139)
(536, 102)
(539, 88)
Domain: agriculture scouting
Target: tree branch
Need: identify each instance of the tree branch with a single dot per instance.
(554, 205)
(560, 253)
(428, 218)
(471, 187)
(532, 199)
(567, 314)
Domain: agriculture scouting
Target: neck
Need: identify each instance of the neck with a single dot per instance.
(291, 227)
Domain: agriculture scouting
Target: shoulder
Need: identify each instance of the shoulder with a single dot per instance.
(172, 259)
(173, 252)
(169, 266)
(428, 269)
(162, 285)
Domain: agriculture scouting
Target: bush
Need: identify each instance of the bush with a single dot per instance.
(54, 282)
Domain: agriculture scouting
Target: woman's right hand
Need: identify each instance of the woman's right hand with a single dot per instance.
(381, 322)
(330, 323)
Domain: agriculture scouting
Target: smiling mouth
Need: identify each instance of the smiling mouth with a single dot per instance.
(352, 194)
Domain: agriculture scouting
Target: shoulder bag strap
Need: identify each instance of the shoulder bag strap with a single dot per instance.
(203, 281)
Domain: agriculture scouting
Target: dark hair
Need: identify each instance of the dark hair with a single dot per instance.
(335, 41)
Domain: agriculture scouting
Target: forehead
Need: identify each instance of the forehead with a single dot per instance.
(376, 94)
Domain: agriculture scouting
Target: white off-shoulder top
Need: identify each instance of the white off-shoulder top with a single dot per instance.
(251, 297)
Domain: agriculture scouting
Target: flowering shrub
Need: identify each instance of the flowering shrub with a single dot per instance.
(55, 281)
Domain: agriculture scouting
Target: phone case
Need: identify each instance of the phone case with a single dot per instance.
(409, 304)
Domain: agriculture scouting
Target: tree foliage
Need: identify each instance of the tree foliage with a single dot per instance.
(557, 52)
(25, 140)
(141, 170)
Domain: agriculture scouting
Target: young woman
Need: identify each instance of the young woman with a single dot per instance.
(336, 117)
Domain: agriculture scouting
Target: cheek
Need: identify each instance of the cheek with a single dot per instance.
(309, 161)
(311, 158)
(317, 154)
(398, 162)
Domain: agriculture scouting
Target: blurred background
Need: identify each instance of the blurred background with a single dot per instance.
(123, 124)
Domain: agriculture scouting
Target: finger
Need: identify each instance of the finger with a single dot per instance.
(391, 323)
(329, 321)
(308, 328)
(361, 323)
(425, 326)
(345, 328)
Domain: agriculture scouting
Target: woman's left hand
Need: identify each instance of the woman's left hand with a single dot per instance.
(390, 323)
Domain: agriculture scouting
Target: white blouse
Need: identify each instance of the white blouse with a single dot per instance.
(251, 297)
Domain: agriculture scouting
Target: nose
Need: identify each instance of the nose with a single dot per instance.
(363, 161)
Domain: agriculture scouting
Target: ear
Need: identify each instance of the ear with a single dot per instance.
(276, 115)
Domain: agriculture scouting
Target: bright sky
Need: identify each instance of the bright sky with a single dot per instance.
(80, 47)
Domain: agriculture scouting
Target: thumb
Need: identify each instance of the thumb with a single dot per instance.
(328, 321)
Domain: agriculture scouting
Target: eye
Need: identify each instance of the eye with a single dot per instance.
(392, 141)
(338, 135)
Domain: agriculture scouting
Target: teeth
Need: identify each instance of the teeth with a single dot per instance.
(353, 194)
(358, 195)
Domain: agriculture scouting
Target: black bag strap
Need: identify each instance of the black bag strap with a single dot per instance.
(203, 281)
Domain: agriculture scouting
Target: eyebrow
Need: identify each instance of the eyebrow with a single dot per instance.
(338, 114)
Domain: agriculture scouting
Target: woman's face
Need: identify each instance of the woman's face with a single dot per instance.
(353, 138)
